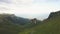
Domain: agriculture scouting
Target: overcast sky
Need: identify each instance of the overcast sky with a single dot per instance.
(30, 8)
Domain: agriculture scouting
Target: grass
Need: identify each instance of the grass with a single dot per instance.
(52, 26)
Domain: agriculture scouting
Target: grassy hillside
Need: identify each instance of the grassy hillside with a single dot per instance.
(11, 24)
(50, 26)
(8, 26)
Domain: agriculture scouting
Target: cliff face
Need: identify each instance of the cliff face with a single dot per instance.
(54, 15)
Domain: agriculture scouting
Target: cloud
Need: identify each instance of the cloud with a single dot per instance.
(6, 1)
(29, 8)
(45, 1)
(22, 6)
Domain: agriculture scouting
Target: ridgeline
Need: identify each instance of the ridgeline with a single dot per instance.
(11, 24)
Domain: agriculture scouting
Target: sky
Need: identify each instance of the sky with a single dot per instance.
(39, 9)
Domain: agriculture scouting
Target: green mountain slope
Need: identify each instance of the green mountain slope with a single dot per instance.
(50, 26)
(11, 24)
(13, 18)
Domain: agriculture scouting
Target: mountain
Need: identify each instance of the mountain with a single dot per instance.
(14, 19)
(54, 14)
(11, 24)
(51, 25)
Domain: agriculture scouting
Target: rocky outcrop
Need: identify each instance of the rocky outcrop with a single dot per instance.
(54, 14)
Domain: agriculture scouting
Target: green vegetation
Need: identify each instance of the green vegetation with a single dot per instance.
(50, 26)
(7, 26)
(11, 24)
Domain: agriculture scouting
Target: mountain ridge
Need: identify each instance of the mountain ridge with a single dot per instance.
(51, 25)
(11, 24)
